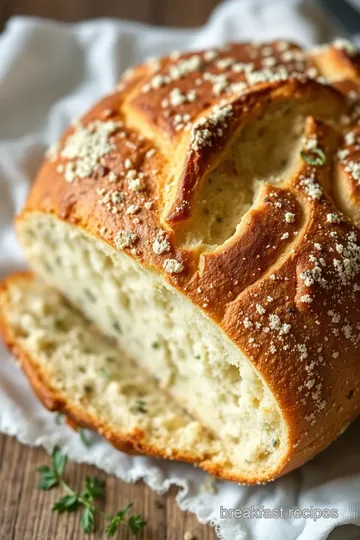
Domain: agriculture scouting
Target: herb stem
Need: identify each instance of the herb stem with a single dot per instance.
(93, 489)
(66, 487)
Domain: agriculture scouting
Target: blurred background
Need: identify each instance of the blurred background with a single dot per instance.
(158, 12)
(172, 13)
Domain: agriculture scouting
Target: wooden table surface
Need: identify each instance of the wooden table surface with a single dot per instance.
(24, 511)
(159, 12)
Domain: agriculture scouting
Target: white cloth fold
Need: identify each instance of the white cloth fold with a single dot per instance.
(49, 74)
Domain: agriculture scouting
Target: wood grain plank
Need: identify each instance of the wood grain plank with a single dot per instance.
(71, 11)
(25, 512)
(160, 12)
(188, 12)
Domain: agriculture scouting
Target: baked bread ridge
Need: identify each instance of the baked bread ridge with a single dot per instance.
(145, 177)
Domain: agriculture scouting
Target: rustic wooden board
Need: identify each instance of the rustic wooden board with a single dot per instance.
(161, 12)
(25, 512)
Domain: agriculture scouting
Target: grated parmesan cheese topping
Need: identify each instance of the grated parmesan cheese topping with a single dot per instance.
(210, 127)
(161, 245)
(132, 209)
(348, 265)
(125, 239)
(345, 45)
(225, 74)
(84, 148)
(311, 187)
(110, 198)
(172, 266)
(289, 217)
(333, 218)
(353, 167)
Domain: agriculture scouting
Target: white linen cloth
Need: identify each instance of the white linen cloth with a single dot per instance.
(49, 74)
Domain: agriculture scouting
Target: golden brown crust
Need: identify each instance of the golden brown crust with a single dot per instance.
(338, 61)
(285, 288)
(188, 84)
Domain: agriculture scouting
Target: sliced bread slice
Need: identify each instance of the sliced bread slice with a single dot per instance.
(79, 372)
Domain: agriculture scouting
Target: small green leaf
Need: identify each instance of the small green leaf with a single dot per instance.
(69, 503)
(112, 527)
(314, 156)
(94, 487)
(47, 483)
(47, 479)
(136, 523)
(275, 442)
(116, 520)
(84, 439)
(90, 295)
(43, 469)
(58, 462)
(125, 510)
(140, 406)
(87, 520)
(117, 327)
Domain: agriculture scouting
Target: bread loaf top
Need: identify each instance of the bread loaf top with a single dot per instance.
(235, 172)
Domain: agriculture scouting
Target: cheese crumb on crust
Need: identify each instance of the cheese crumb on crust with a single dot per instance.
(172, 266)
(125, 239)
(160, 245)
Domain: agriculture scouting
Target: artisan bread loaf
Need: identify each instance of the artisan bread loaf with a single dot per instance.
(205, 216)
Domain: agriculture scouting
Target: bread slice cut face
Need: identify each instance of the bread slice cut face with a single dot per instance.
(75, 369)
